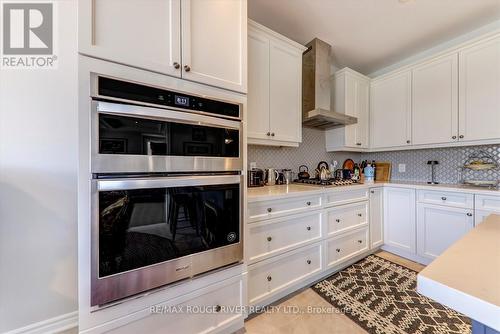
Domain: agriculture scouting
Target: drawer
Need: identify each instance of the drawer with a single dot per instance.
(196, 315)
(485, 202)
(346, 196)
(448, 198)
(281, 207)
(346, 217)
(272, 276)
(340, 249)
(268, 238)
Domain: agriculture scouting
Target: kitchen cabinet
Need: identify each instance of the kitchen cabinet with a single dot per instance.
(147, 34)
(435, 101)
(351, 96)
(390, 111)
(275, 88)
(438, 227)
(399, 220)
(346, 218)
(376, 217)
(345, 247)
(479, 96)
(485, 205)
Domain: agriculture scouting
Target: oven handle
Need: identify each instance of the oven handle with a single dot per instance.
(164, 115)
(166, 182)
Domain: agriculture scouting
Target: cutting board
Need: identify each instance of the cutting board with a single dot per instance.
(382, 171)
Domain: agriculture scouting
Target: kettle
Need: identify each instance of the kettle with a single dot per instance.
(303, 173)
(322, 171)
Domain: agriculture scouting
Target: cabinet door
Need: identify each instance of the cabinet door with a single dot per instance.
(139, 33)
(390, 105)
(214, 42)
(357, 100)
(376, 217)
(399, 219)
(258, 86)
(435, 101)
(285, 92)
(479, 111)
(438, 227)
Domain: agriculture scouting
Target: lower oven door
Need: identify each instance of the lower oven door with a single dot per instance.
(148, 232)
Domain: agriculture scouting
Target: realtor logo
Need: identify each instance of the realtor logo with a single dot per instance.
(28, 35)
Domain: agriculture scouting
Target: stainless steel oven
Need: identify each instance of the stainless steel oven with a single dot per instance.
(167, 188)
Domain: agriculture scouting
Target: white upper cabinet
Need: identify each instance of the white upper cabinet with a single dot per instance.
(479, 103)
(435, 101)
(390, 107)
(147, 34)
(351, 96)
(140, 33)
(275, 88)
(214, 47)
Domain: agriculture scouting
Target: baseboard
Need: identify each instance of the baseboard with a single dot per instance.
(53, 325)
(406, 255)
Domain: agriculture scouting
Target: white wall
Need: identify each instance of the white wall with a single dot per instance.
(38, 185)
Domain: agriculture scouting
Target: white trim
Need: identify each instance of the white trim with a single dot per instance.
(257, 26)
(53, 325)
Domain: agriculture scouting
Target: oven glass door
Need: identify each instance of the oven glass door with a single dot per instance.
(143, 222)
(137, 139)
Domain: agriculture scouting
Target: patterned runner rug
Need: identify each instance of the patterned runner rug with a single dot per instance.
(381, 297)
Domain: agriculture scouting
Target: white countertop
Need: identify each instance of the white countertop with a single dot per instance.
(466, 277)
(280, 191)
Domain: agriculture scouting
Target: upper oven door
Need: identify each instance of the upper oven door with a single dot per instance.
(136, 139)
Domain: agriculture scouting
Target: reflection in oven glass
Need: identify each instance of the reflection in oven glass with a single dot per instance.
(142, 227)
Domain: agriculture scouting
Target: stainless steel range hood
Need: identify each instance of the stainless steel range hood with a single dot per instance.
(316, 90)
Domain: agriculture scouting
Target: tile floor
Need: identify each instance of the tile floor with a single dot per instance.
(332, 323)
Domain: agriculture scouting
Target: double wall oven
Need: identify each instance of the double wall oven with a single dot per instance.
(166, 187)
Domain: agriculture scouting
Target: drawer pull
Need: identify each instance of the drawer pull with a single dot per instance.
(372, 191)
(337, 220)
(360, 215)
(469, 214)
(269, 278)
(308, 228)
(360, 241)
(338, 250)
(218, 308)
(308, 261)
(443, 198)
(269, 238)
(308, 203)
(269, 209)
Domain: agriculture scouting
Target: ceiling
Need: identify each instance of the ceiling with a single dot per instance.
(368, 35)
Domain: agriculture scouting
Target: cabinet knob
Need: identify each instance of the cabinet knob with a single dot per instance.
(269, 238)
(272, 134)
(360, 241)
(372, 191)
(269, 209)
(408, 141)
(269, 278)
(268, 134)
(338, 250)
(187, 68)
(308, 261)
(308, 203)
(461, 136)
(453, 137)
(469, 214)
(176, 65)
(337, 220)
(360, 215)
(218, 308)
(359, 144)
(308, 228)
(443, 198)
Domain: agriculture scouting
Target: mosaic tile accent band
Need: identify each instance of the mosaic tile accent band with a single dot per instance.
(312, 150)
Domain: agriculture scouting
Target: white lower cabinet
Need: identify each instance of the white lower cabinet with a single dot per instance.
(276, 274)
(399, 219)
(438, 227)
(376, 217)
(342, 248)
(277, 235)
(345, 218)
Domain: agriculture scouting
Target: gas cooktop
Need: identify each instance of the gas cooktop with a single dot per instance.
(330, 182)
